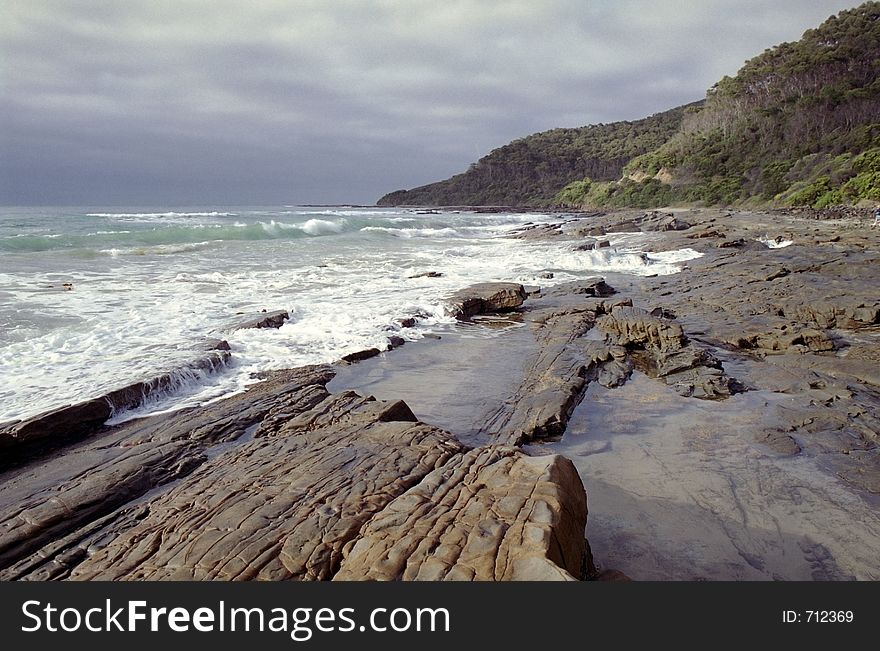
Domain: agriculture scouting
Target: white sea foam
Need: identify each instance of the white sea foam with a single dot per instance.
(312, 227)
(274, 228)
(413, 232)
(146, 215)
(322, 226)
(42, 234)
(137, 311)
(775, 244)
(160, 249)
(349, 213)
(678, 255)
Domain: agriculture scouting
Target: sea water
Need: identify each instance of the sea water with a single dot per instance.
(92, 299)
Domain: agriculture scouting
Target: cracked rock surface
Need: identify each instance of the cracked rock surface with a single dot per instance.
(290, 481)
(724, 421)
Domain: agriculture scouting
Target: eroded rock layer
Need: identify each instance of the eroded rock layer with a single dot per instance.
(289, 481)
(490, 514)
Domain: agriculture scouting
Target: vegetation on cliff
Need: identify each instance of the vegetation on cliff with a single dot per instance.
(798, 125)
(531, 170)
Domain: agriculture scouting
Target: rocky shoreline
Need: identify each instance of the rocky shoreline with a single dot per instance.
(723, 419)
(295, 480)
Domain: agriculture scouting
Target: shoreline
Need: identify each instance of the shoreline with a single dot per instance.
(752, 366)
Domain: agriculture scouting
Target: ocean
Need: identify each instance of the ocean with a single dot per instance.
(92, 299)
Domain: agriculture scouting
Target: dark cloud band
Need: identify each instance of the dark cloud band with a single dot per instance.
(314, 101)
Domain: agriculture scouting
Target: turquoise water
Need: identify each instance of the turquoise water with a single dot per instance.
(92, 299)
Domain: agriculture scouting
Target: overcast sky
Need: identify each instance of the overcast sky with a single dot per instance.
(178, 102)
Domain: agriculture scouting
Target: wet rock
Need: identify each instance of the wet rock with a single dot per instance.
(360, 355)
(779, 273)
(593, 245)
(660, 349)
(329, 486)
(844, 312)
(395, 341)
(592, 287)
(795, 340)
(798, 316)
(652, 221)
(779, 441)
(632, 326)
(517, 518)
(61, 496)
(741, 243)
(265, 320)
(587, 246)
(484, 298)
(708, 233)
(428, 274)
(569, 356)
(53, 429)
(538, 232)
(662, 222)
(554, 380)
(662, 312)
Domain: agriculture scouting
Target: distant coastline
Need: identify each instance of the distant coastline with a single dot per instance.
(797, 126)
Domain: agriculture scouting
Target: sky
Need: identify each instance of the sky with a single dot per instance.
(261, 102)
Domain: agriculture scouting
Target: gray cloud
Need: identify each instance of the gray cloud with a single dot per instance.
(222, 101)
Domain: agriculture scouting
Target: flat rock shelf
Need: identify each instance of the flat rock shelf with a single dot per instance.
(724, 421)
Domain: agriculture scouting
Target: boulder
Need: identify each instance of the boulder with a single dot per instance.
(360, 355)
(485, 298)
(593, 287)
(53, 428)
(516, 518)
(672, 223)
(635, 327)
(264, 320)
(592, 245)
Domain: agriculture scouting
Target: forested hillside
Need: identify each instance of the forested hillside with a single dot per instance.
(532, 170)
(798, 125)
